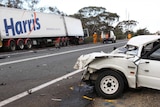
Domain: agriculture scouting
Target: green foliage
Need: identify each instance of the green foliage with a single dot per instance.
(31, 3)
(119, 34)
(88, 39)
(127, 25)
(20, 4)
(13, 3)
(96, 19)
(142, 32)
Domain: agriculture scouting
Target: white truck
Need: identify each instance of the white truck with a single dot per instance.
(21, 29)
(134, 65)
(108, 36)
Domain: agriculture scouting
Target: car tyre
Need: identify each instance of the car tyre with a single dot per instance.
(109, 84)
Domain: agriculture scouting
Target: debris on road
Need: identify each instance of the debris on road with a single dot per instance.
(2, 84)
(44, 64)
(69, 78)
(56, 99)
(88, 98)
(29, 91)
(71, 88)
(110, 101)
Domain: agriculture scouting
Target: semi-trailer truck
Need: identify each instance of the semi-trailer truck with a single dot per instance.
(21, 29)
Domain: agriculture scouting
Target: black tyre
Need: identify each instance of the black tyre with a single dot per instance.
(12, 46)
(21, 45)
(28, 44)
(109, 84)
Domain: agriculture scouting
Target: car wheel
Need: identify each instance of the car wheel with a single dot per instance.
(109, 84)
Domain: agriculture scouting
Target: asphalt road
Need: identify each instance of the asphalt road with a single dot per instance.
(35, 78)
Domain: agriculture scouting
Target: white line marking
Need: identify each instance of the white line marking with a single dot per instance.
(23, 94)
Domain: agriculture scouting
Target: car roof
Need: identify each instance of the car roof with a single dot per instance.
(142, 40)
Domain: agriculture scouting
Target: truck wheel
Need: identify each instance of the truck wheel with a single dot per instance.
(113, 41)
(12, 46)
(104, 42)
(109, 84)
(20, 44)
(28, 44)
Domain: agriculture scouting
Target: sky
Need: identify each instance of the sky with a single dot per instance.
(145, 12)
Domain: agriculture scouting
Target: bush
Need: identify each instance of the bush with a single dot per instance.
(88, 39)
(120, 36)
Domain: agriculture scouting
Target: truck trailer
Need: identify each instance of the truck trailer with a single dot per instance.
(21, 29)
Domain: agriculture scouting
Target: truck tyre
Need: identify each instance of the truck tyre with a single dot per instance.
(20, 44)
(109, 84)
(28, 44)
(104, 42)
(12, 46)
(113, 41)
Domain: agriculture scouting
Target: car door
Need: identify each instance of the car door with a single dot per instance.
(149, 70)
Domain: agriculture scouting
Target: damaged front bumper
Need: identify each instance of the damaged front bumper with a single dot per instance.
(84, 61)
(85, 75)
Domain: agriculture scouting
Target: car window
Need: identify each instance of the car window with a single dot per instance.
(132, 50)
(147, 48)
(155, 55)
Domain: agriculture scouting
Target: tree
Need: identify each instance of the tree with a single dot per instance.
(13, 3)
(143, 31)
(127, 25)
(31, 4)
(96, 19)
(118, 30)
(20, 4)
(55, 10)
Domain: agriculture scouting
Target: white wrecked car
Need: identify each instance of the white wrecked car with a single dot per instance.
(134, 65)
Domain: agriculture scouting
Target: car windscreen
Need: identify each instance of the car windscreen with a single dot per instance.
(127, 49)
